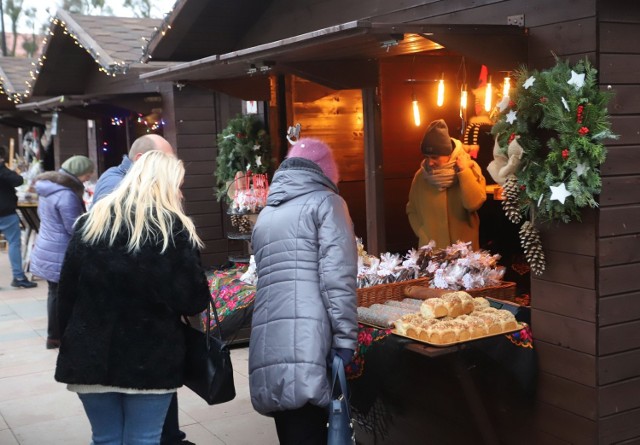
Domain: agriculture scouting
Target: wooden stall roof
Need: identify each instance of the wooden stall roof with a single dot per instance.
(14, 73)
(355, 41)
(196, 29)
(112, 44)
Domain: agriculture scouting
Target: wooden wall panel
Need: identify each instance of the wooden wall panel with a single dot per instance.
(568, 395)
(619, 337)
(619, 397)
(622, 160)
(563, 331)
(619, 279)
(626, 127)
(619, 68)
(620, 37)
(619, 250)
(619, 308)
(568, 37)
(619, 220)
(564, 424)
(71, 138)
(561, 299)
(614, 429)
(618, 367)
(572, 365)
(620, 190)
(575, 237)
(566, 268)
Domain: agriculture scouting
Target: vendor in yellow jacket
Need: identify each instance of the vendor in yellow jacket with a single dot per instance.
(446, 191)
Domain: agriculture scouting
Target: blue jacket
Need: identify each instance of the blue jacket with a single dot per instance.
(111, 179)
(59, 205)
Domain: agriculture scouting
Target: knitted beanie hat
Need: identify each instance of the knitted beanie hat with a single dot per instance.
(78, 165)
(318, 152)
(436, 140)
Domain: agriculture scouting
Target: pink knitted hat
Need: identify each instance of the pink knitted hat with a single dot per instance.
(318, 152)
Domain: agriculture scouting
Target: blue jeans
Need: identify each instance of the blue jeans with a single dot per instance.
(10, 226)
(132, 419)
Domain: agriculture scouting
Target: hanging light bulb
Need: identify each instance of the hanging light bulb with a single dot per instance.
(463, 100)
(487, 96)
(416, 110)
(440, 100)
(506, 87)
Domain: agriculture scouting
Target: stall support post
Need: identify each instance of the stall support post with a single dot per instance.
(373, 174)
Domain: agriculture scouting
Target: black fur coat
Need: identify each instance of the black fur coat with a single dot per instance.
(120, 312)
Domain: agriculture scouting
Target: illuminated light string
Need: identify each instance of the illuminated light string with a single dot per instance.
(164, 27)
(151, 126)
(119, 67)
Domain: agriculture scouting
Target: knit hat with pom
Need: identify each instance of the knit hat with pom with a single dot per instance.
(317, 152)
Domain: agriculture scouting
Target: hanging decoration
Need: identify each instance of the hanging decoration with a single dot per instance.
(559, 118)
(242, 146)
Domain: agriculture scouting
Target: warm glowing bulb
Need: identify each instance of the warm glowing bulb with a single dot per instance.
(416, 112)
(440, 100)
(463, 99)
(487, 97)
(506, 87)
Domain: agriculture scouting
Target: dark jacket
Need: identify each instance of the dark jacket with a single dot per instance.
(120, 312)
(306, 260)
(59, 205)
(9, 180)
(111, 179)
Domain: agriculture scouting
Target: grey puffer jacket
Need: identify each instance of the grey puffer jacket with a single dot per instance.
(306, 259)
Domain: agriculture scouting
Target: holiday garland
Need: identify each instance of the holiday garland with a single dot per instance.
(559, 117)
(242, 146)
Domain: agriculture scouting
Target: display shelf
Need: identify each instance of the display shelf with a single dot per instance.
(239, 258)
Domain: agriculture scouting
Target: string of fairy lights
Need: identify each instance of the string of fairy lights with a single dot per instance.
(161, 29)
(12, 96)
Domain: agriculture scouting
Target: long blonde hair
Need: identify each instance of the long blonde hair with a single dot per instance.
(144, 206)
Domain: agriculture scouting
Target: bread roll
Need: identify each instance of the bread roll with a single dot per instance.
(453, 304)
(480, 303)
(476, 326)
(507, 320)
(443, 332)
(494, 325)
(423, 292)
(433, 308)
(467, 302)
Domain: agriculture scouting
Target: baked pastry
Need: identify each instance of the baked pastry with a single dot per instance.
(476, 326)
(404, 323)
(494, 325)
(467, 302)
(453, 303)
(480, 303)
(403, 304)
(507, 320)
(443, 332)
(433, 308)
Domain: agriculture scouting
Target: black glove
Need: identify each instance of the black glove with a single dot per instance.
(345, 354)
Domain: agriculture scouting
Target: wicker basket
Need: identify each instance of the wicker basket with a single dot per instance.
(385, 292)
(395, 291)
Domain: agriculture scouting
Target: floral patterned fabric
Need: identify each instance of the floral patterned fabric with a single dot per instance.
(367, 336)
(522, 338)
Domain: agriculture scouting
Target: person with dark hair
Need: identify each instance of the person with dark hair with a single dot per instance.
(305, 306)
(9, 221)
(60, 203)
(446, 191)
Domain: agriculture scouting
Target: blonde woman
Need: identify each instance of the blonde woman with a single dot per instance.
(131, 271)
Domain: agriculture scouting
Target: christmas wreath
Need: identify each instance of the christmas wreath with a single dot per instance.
(242, 146)
(551, 126)
(559, 118)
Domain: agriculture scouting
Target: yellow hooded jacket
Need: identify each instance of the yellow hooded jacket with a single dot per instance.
(449, 215)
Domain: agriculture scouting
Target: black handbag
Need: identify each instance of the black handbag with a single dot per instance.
(340, 423)
(208, 370)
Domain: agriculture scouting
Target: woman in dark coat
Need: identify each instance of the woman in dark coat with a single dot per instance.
(131, 271)
(59, 205)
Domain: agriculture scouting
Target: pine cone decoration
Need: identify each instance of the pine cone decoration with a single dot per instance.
(235, 220)
(244, 224)
(510, 193)
(532, 246)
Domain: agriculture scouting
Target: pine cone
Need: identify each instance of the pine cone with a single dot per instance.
(532, 246)
(510, 195)
(244, 224)
(235, 220)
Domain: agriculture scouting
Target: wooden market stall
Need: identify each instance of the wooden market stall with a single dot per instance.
(584, 307)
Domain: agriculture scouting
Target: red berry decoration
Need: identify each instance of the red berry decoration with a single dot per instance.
(583, 131)
(512, 137)
(512, 103)
(543, 100)
(565, 153)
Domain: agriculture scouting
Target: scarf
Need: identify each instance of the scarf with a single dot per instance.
(442, 177)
